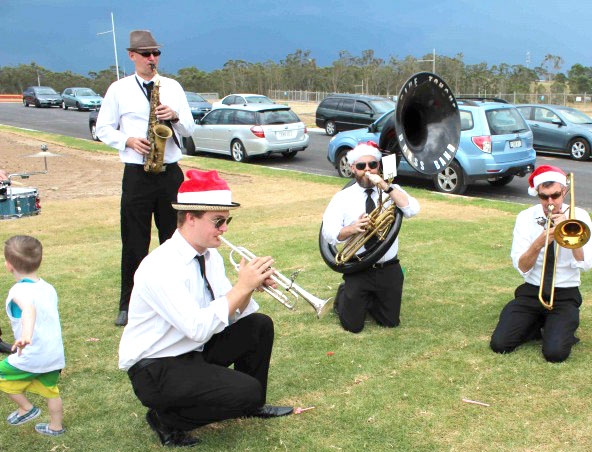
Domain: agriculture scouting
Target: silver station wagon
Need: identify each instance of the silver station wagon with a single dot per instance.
(248, 131)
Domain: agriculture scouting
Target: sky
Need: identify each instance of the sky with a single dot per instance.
(62, 35)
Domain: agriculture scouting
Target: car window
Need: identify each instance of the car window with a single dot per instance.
(278, 117)
(331, 103)
(259, 100)
(575, 116)
(505, 120)
(85, 92)
(226, 117)
(382, 121)
(545, 115)
(229, 100)
(244, 117)
(362, 107)
(347, 105)
(525, 111)
(382, 106)
(466, 120)
(194, 97)
(44, 90)
(212, 117)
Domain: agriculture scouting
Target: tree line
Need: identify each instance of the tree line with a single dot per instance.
(349, 73)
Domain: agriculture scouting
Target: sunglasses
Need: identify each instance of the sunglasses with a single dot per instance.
(147, 53)
(362, 165)
(551, 196)
(219, 222)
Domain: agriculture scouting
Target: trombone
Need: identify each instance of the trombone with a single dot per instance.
(287, 284)
(570, 234)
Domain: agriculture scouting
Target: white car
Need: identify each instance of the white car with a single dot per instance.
(242, 100)
(243, 132)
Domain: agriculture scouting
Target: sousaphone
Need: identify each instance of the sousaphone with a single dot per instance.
(425, 131)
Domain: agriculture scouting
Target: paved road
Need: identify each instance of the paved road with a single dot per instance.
(314, 160)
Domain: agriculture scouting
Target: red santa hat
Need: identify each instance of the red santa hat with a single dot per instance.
(545, 173)
(204, 190)
(362, 149)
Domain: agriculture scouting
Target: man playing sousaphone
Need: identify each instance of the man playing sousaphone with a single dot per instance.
(527, 316)
(378, 289)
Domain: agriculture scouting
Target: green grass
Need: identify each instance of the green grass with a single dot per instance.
(383, 389)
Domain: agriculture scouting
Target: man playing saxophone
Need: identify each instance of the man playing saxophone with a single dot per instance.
(377, 290)
(122, 123)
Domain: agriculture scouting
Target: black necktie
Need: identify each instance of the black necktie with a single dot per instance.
(202, 269)
(549, 269)
(370, 206)
(149, 86)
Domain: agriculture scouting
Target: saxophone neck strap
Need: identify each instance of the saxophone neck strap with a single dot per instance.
(143, 89)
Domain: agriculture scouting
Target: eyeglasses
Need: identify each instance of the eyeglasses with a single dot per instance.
(362, 165)
(147, 53)
(219, 222)
(552, 195)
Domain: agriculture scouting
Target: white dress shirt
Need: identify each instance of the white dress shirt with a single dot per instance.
(125, 111)
(171, 311)
(529, 225)
(348, 204)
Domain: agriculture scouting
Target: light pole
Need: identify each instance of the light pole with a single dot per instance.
(433, 60)
(114, 43)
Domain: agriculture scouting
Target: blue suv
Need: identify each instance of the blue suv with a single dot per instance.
(495, 145)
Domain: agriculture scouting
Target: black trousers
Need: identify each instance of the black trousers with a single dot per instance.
(377, 291)
(196, 388)
(143, 195)
(523, 318)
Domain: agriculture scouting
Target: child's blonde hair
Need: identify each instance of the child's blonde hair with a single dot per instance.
(24, 253)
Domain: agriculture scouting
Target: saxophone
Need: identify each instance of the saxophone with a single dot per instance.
(158, 133)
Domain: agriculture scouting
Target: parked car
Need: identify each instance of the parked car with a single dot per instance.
(242, 99)
(198, 105)
(559, 129)
(92, 124)
(495, 145)
(41, 96)
(243, 132)
(81, 98)
(350, 111)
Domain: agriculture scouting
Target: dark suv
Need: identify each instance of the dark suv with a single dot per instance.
(41, 96)
(350, 111)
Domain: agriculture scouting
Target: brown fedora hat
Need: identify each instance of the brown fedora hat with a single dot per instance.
(142, 40)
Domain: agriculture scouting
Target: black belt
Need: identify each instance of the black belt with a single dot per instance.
(141, 165)
(140, 365)
(394, 260)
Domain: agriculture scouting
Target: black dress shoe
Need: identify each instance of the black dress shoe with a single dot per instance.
(267, 411)
(169, 438)
(121, 319)
(5, 348)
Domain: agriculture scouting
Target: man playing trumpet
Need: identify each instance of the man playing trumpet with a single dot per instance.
(526, 317)
(377, 290)
(187, 323)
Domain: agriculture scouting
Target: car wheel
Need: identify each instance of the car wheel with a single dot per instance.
(330, 128)
(64, 106)
(451, 180)
(79, 107)
(238, 152)
(501, 181)
(189, 146)
(579, 149)
(93, 132)
(290, 154)
(25, 103)
(37, 104)
(343, 167)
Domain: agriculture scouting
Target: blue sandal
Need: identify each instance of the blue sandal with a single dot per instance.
(45, 430)
(15, 419)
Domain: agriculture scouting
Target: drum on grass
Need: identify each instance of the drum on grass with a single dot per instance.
(17, 202)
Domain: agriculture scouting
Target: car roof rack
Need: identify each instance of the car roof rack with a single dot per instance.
(480, 99)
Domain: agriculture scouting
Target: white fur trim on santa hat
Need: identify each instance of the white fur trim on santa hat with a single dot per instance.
(361, 150)
(219, 197)
(547, 176)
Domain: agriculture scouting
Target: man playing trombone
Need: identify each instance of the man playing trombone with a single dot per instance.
(378, 289)
(187, 324)
(547, 305)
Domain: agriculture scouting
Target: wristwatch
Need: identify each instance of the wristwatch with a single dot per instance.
(388, 190)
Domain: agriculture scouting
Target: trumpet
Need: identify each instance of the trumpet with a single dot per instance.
(287, 284)
(570, 234)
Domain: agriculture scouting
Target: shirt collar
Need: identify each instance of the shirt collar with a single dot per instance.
(185, 249)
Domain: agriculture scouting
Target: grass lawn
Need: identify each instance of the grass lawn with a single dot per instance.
(383, 389)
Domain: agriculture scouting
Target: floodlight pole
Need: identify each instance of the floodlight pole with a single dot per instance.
(114, 43)
(433, 60)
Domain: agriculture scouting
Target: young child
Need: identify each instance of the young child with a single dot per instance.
(35, 365)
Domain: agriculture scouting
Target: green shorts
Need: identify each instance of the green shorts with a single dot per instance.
(16, 381)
